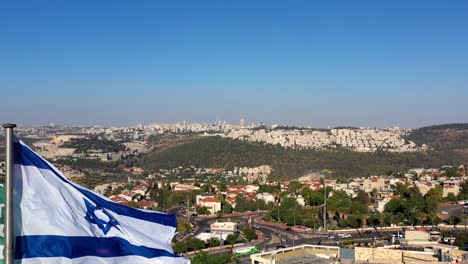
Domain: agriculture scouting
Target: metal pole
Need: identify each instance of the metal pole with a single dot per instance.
(188, 208)
(465, 210)
(294, 227)
(278, 213)
(8, 251)
(325, 202)
(277, 228)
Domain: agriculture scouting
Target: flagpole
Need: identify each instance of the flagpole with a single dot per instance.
(8, 248)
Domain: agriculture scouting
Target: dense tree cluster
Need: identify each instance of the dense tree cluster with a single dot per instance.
(245, 205)
(442, 137)
(165, 197)
(83, 145)
(409, 208)
(413, 208)
(217, 152)
(203, 257)
(249, 234)
(202, 211)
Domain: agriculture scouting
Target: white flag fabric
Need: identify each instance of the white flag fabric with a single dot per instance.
(58, 221)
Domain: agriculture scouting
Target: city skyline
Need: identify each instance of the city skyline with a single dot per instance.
(318, 64)
(248, 124)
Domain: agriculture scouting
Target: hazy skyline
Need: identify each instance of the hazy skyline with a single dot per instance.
(310, 63)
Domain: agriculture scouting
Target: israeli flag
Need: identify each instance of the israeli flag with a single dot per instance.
(58, 221)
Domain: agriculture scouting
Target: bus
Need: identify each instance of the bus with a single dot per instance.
(240, 251)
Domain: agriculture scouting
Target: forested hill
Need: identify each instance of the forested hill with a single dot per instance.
(220, 152)
(450, 137)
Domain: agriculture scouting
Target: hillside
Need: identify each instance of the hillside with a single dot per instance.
(289, 163)
(449, 138)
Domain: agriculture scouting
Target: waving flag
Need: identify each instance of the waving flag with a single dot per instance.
(58, 221)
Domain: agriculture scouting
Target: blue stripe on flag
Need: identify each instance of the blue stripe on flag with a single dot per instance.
(75, 247)
(24, 156)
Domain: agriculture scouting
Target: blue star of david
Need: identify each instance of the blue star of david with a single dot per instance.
(105, 226)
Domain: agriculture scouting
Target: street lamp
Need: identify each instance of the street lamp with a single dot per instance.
(278, 213)
(294, 225)
(325, 172)
(277, 228)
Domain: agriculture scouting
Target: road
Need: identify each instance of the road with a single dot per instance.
(273, 235)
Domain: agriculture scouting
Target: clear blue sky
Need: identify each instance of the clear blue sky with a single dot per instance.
(317, 63)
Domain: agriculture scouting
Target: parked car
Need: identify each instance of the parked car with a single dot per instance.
(449, 239)
(444, 212)
(344, 235)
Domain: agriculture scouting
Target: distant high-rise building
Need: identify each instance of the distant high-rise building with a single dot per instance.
(242, 122)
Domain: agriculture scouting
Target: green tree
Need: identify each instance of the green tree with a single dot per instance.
(395, 206)
(240, 203)
(373, 220)
(274, 214)
(268, 188)
(311, 223)
(294, 187)
(354, 220)
(183, 226)
(270, 205)
(203, 257)
(452, 197)
(260, 204)
(225, 206)
(400, 188)
(203, 211)
(222, 187)
(455, 220)
(249, 234)
(195, 243)
(232, 238)
(207, 187)
(243, 204)
(433, 219)
(292, 218)
(435, 193)
(180, 247)
(362, 197)
(213, 242)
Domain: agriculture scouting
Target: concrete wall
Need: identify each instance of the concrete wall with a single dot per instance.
(381, 255)
(417, 235)
(279, 254)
